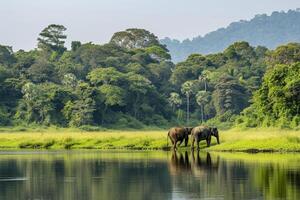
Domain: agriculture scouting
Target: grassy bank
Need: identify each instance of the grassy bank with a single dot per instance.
(254, 140)
(232, 140)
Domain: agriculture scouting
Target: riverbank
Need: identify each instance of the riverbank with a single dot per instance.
(250, 140)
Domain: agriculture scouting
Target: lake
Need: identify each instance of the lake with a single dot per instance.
(147, 175)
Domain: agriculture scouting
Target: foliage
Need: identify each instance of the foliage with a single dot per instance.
(131, 83)
(52, 38)
(276, 103)
(221, 84)
(135, 39)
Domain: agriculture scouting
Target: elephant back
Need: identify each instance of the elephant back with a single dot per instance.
(202, 131)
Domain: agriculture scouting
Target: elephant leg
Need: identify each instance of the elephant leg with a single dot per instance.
(180, 142)
(172, 141)
(208, 142)
(193, 142)
(174, 145)
(198, 148)
(186, 141)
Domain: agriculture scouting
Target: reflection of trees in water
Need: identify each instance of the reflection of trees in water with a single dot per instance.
(84, 179)
(193, 175)
(278, 181)
(204, 175)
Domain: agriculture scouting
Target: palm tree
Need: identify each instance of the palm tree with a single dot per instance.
(202, 97)
(204, 77)
(187, 90)
(174, 100)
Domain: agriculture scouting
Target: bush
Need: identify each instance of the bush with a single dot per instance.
(156, 120)
(4, 117)
(91, 128)
(128, 122)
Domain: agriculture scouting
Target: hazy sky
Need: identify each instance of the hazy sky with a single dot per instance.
(96, 20)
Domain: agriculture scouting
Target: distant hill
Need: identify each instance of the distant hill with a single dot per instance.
(270, 31)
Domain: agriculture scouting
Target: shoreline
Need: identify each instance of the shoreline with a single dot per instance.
(234, 140)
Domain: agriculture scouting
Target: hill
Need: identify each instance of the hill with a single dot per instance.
(269, 31)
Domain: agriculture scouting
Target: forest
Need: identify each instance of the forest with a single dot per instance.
(131, 82)
(265, 30)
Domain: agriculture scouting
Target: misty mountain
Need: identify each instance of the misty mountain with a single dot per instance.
(270, 31)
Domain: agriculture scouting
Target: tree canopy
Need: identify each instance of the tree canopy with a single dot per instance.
(131, 82)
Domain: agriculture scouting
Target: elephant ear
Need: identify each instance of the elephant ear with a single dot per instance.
(215, 131)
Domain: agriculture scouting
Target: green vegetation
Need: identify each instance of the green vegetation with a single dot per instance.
(234, 140)
(255, 140)
(130, 83)
(270, 31)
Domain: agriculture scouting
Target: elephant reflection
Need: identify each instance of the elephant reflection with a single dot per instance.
(201, 167)
(180, 163)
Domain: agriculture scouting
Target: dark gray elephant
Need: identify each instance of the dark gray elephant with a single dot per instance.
(203, 133)
(215, 133)
(179, 134)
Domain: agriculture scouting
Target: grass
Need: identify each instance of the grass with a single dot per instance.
(254, 140)
(250, 140)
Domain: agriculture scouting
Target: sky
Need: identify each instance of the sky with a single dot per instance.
(96, 20)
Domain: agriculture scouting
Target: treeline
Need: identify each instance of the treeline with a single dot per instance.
(131, 82)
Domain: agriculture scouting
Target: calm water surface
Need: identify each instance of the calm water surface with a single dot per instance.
(148, 175)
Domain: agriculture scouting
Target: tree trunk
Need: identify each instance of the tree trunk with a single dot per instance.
(103, 114)
(136, 106)
(202, 118)
(188, 109)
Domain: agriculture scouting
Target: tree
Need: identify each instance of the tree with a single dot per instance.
(230, 96)
(135, 38)
(187, 90)
(105, 76)
(114, 95)
(52, 38)
(42, 71)
(6, 55)
(139, 86)
(204, 78)
(276, 103)
(80, 109)
(70, 80)
(158, 53)
(36, 105)
(79, 112)
(175, 100)
(75, 45)
(285, 54)
(202, 98)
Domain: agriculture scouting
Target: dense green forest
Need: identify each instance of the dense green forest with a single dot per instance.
(269, 31)
(131, 82)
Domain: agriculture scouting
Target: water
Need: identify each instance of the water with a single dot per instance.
(148, 175)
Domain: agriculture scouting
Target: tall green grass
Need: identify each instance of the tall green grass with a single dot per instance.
(231, 140)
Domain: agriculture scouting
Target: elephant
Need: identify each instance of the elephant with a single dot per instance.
(179, 134)
(215, 133)
(203, 133)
